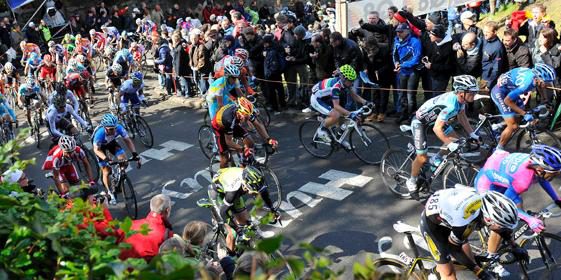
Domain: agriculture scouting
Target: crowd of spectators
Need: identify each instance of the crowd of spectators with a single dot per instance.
(297, 44)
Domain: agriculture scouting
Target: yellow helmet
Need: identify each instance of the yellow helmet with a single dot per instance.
(348, 72)
(245, 107)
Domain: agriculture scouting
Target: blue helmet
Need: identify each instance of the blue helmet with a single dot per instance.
(109, 120)
(547, 157)
(545, 72)
(136, 78)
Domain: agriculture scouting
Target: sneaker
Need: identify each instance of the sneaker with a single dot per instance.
(112, 200)
(500, 271)
(307, 110)
(411, 185)
(323, 135)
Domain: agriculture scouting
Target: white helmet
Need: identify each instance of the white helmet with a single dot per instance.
(80, 58)
(138, 21)
(72, 63)
(237, 61)
(465, 83)
(9, 67)
(51, 44)
(92, 32)
(117, 68)
(67, 143)
(499, 209)
(231, 71)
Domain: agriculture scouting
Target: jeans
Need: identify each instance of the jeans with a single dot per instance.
(200, 81)
(439, 86)
(183, 86)
(290, 75)
(408, 99)
(168, 83)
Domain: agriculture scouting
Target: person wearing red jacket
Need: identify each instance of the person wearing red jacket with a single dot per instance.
(147, 246)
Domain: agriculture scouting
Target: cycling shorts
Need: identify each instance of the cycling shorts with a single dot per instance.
(77, 87)
(114, 148)
(130, 97)
(238, 132)
(418, 129)
(64, 125)
(46, 72)
(27, 99)
(68, 174)
(499, 101)
(321, 106)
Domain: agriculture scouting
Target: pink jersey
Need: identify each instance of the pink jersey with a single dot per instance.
(505, 170)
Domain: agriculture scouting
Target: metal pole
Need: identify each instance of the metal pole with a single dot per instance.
(36, 11)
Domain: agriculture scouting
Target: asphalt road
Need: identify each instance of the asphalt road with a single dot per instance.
(338, 203)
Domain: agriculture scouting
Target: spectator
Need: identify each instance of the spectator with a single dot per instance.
(164, 61)
(147, 246)
(297, 57)
(90, 20)
(116, 20)
(265, 13)
(45, 31)
(33, 35)
(157, 15)
(273, 69)
(532, 27)
(226, 47)
(406, 58)
(239, 23)
(227, 27)
(439, 63)
(547, 50)
(102, 19)
(173, 244)
(194, 233)
(80, 29)
(16, 36)
(468, 55)
(212, 42)
(468, 22)
(5, 34)
(200, 60)
(207, 12)
(345, 51)
(322, 59)
(171, 17)
(53, 18)
(518, 54)
(253, 43)
(494, 61)
(249, 262)
(380, 27)
(391, 12)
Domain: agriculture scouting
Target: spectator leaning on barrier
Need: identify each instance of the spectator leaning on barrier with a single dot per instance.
(180, 63)
(494, 61)
(518, 54)
(273, 69)
(406, 56)
(297, 57)
(468, 55)
(322, 59)
(439, 64)
(547, 49)
(147, 246)
(164, 61)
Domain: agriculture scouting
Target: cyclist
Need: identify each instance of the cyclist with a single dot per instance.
(60, 55)
(10, 76)
(68, 42)
(131, 91)
(89, 78)
(47, 72)
(329, 98)
(113, 77)
(58, 117)
(219, 92)
(137, 51)
(226, 125)
(111, 33)
(7, 113)
(27, 49)
(441, 111)
(29, 91)
(104, 140)
(125, 59)
(32, 65)
(75, 83)
(226, 193)
(451, 215)
(98, 40)
(239, 61)
(74, 65)
(61, 159)
(59, 88)
(506, 94)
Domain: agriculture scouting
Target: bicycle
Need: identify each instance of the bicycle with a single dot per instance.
(259, 109)
(12, 96)
(396, 168)
(136, 125)
(92, 159)
(6, 132)
(368, 147)
(35, 122)
(120, 183)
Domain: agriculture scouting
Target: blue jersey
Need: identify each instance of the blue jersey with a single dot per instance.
(34, 63)
(112, 32)
(100, 138)
(128, 89)
(123, 56)
(443, 107)
(5, 109)
(516, 82)
(25, 90)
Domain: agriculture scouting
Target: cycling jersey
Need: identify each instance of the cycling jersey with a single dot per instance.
(25, 90)
(123, 57)
(56, 119)
(69, 96)
(11, 78)
(30, 48)
(219, 87)
(112, 32)
(129, 93)
(34, 63)
(225, 120)
(59, 160)
(513, 84)
(113, 77)
(148, 27)
(450, 214)
(511, 175)
(60, 54)
(5, 109)
(100, 138)
(99, 40)
(324, 92)
(78, 69)
(74, 83)
(47, 72)
(138, 52)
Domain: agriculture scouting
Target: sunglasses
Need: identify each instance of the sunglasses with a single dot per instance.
(110, 128)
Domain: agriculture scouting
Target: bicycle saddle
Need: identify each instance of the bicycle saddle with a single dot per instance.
(405, 228)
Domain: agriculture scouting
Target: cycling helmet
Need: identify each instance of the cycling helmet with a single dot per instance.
(47, 58)
(117, 68)
(241, 53)
(33, 56)
(67, 143)
(545, 72)
(465, 83)
(92, 32)
(237, 61)
(124, 34)
(60, 88)
(348, 72)
(499, 209)
(108, 51)
(51, 44)
(30, 81)
(80, 58)
(138, 21)
(72, 63)
(245, 107)
(59, 99)
(164, 28)
(253, 178)
(136, 78)
(179, 21)
(547, 157)
(231, 71)
(9, 67)
(109, 120)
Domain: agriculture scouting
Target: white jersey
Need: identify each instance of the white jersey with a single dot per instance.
(69, 96)
(54, 116)
(456, 207)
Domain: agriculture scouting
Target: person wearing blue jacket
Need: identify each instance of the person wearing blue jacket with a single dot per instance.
(164, 61)
(494, 61)
(406, 58)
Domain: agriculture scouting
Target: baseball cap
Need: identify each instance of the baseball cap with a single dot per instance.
(32, 24)
(438, 31)
(434, 18)
(12, 176)
(467, 15)
(402, 27)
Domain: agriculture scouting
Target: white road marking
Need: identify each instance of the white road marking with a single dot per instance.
(164, 153)
(327, 190)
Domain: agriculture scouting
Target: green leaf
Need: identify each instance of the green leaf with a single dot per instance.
(269, 245)
(297, 265)
(360, 271)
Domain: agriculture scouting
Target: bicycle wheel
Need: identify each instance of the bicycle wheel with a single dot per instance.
(273, 186)
(459, 174)
(37, 131)
(369, 144)
(546, 137)
(144, 132)
(206, 118)
(92, 160)
(388, 268)
(545, 256)
(84, 113)
(207, 141)
(311, 142)
(129, 196)
(214, 164)
(396, 169)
